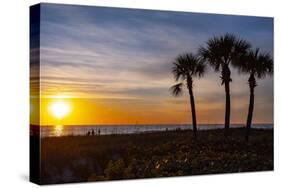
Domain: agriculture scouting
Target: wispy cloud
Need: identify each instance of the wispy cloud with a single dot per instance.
(122, 53)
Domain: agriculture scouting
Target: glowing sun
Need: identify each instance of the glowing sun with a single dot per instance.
(59, 109)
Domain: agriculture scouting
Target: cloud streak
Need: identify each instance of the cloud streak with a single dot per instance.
(100, 52)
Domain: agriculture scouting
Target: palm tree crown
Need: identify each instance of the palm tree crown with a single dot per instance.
(185, 67)
(221, 51)
(256, 63)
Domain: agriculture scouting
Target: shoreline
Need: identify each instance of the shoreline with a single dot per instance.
(159, 132)
(60, 130)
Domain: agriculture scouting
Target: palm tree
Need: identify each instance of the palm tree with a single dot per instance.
(185, 68)
(220, 52)
(258, 65)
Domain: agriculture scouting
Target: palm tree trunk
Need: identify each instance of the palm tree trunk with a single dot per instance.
(227, 108)
(252, 85)
(193, 112)
(226, 81)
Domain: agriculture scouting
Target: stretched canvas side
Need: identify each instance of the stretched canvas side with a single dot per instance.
(34, 163)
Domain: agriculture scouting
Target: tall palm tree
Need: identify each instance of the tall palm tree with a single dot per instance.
(185, 68)
(220, 52)
(257, 65)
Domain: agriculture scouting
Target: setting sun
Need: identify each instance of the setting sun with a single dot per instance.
(59, 109)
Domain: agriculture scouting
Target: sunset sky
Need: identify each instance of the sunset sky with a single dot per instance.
(113, 66)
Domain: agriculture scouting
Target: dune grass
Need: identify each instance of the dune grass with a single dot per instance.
(160, 154)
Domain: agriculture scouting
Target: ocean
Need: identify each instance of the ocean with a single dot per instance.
(72, 130)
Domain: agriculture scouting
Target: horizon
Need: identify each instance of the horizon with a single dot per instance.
(113, 66)
(164, 124)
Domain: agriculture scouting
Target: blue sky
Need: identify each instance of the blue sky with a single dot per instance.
(112, 53)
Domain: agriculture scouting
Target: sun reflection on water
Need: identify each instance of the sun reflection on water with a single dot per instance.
(58, 130)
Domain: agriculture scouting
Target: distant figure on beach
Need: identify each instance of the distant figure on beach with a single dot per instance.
(88, 133)
(93, 132)
(178, 129)
(98, 131)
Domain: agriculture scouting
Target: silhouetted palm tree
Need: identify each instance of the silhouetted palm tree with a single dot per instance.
(220, 52)
(258, 65)
(185, 68)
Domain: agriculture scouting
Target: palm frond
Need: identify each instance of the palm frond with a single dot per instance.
(201, 69)
(265, 62)
(225, 49)
(178, 68)
(188, 65)
(176, 89)
(257, 63)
